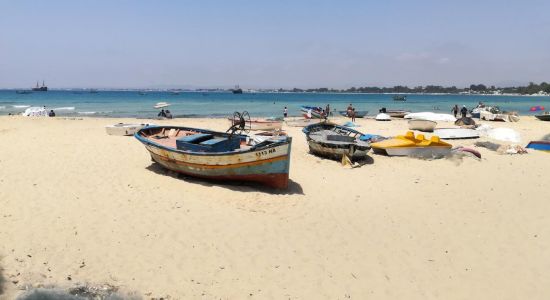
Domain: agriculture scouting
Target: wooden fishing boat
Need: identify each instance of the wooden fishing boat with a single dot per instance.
(395, 113)
(335, 141)
(411, 145)
(539, 145)
(543, 117)
(316, 112)
(217, 155)
(123, 129)
(422, 125)
(262, 124)
(399, 98)
(456, 133)
(358, 113)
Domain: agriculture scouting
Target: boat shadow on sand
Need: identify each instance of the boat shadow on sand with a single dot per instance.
(2, 281)
(294, 188)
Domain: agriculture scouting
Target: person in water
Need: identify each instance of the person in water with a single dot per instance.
(455, 110)
(51, 113)
(464, 111)
(162, 114)
(168, 114)
(285, 112)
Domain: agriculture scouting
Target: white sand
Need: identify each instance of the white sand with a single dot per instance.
(77, 202)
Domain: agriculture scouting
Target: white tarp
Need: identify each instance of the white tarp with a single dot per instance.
(499, 134)
(430, 116)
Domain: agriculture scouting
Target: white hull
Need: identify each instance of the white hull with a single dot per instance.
(456, 133)
(422, 125)
(123, 129)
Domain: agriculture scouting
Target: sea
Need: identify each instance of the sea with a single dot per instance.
(259, 104)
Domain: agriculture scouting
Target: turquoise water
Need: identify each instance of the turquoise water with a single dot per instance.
(219, 104)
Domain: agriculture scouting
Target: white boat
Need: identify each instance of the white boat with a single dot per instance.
(422, 125)
(382, 117)
(431, 116)
(123, 129)
(161, 105)
(456, 133)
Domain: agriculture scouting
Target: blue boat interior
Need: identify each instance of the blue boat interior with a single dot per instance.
(204, 142)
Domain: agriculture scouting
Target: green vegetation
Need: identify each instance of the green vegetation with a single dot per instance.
(532, 88)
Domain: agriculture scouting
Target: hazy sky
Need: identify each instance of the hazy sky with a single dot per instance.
(273, 44)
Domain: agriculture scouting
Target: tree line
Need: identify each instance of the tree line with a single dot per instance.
(530, 89)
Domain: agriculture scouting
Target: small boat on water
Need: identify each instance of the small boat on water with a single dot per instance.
(261, 124)
(422, 125)
(124, 129)
(456, 133)
(335, 141)
(23, 92)
(539, 145)
(237, 90)
(310, 112)
(358, 113)
(544, 117)
(411, 145)
(218, 156)
(399, 98)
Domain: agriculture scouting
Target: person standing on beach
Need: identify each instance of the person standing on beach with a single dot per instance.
(285, 112)
(349, 110)
(455, 110)
(464, 111)
(353, 115)
(327, 111)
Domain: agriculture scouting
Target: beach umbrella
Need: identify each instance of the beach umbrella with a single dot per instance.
(537, 108)
(161, 105)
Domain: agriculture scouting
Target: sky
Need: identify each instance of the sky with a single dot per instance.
(272, 44)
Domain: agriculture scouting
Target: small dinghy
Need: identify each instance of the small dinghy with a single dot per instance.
(335, 141)
(411, 145)
(544, 117)
(382, 117)
(358, 113)
(394, 113)
(124, 129)
(312, 112)
(539, 145)
(219, 156)
(456, 133)
(422, 125)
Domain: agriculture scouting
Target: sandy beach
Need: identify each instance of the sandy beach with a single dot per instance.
(78, 206)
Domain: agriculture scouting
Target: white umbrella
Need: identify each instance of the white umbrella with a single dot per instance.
(161, 105)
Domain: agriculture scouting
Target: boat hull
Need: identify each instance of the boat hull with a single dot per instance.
(422, 125)
(266, 165)
(336, 153)
(539, 145)
(415, 151)
(456, 133)
(543, 117)
(358, 113)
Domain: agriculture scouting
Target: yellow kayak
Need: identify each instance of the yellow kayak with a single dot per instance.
(411, 145)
